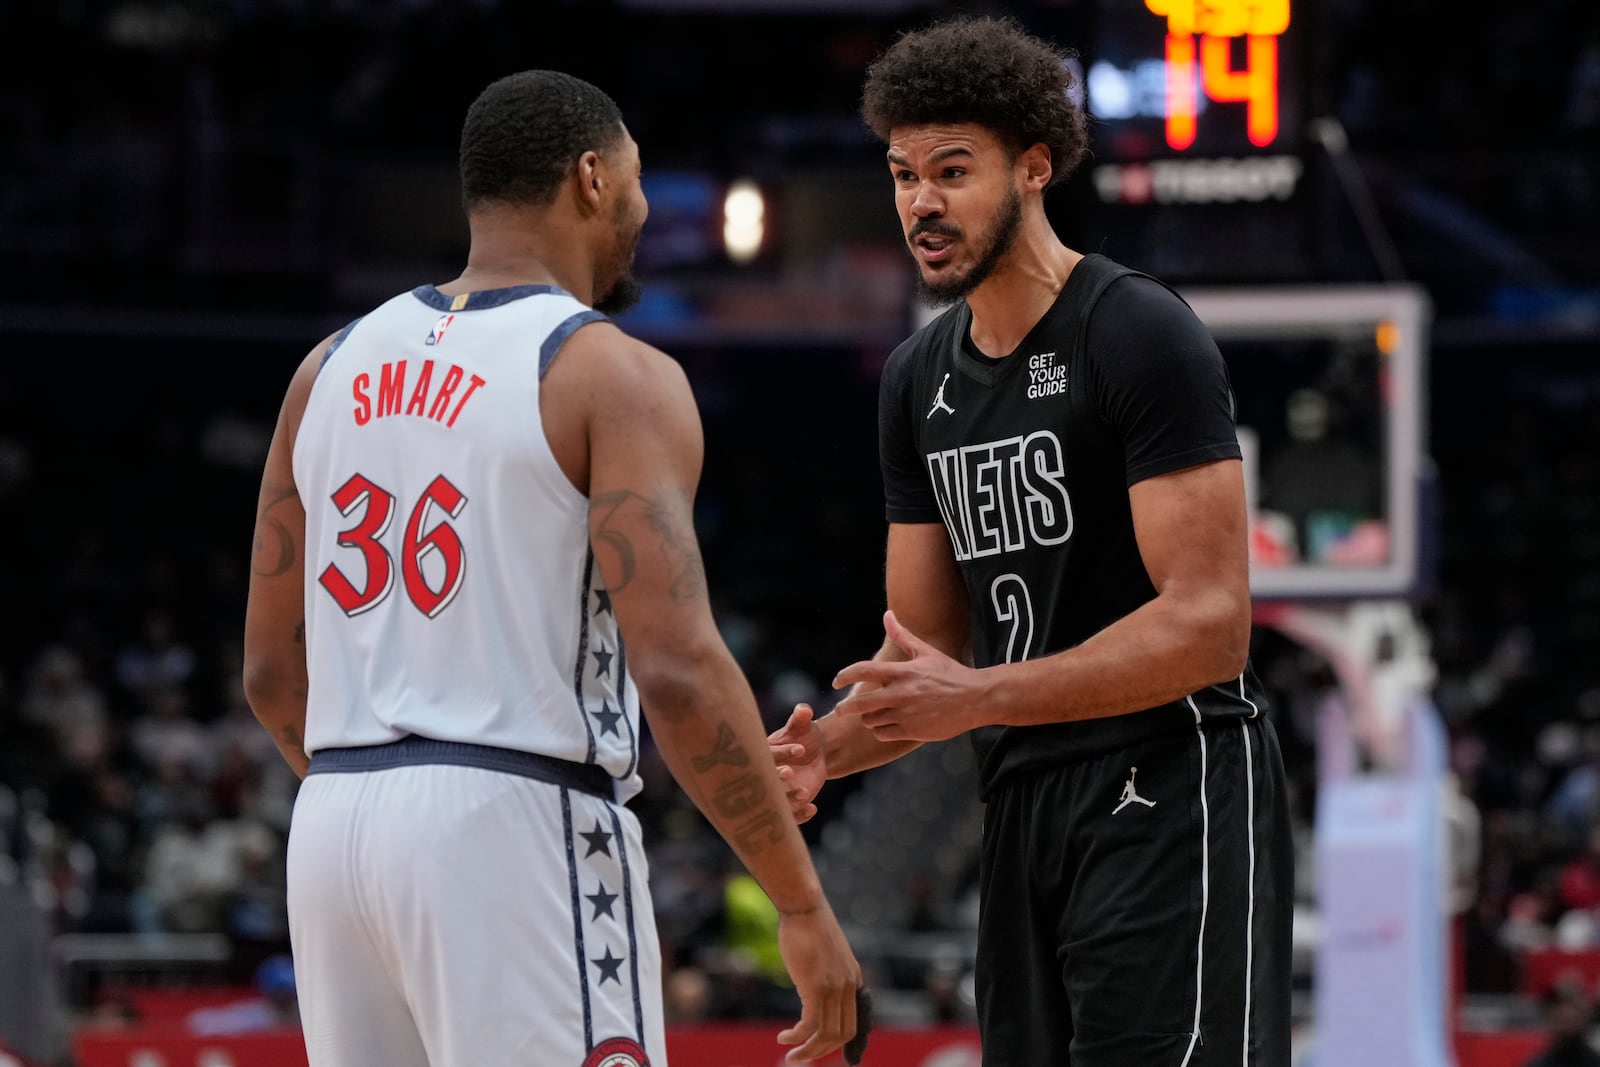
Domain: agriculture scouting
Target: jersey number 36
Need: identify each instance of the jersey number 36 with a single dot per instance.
(376, 507)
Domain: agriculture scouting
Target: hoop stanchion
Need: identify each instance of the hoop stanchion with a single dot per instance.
(1382, 978)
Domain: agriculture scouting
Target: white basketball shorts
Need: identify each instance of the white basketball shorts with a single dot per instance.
(455, 916)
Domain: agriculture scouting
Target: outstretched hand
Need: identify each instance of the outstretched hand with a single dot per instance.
(797, 750)
(926, 697)
(827, 977)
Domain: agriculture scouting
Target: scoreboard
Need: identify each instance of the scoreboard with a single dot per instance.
(1197, 122)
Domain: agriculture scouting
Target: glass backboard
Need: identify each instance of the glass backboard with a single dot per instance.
(1330, 390)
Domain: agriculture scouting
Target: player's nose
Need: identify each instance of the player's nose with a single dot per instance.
(927, 203)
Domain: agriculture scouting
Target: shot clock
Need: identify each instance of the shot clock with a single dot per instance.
(1198, 112)
(1196, 77)
(1210, 31)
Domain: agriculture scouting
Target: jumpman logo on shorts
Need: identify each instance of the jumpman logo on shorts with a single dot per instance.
(1130, 795)
(938, 399)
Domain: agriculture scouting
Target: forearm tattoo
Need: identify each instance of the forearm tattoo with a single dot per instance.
(740, 797)
(727, 752)
(754, 836)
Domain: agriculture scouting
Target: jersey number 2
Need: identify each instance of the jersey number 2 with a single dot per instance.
(377, 514)
(1012, 605)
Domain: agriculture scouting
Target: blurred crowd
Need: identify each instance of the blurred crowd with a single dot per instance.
(142, 793)
(1515, 627)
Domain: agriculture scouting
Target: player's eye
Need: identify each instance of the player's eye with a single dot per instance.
(955, 172)
(904, 176)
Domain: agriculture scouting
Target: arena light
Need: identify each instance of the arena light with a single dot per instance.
(744, 212)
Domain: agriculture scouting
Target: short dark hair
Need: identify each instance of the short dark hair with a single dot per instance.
(983, 70)
(524, 133)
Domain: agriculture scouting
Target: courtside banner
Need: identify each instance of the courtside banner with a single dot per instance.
(744, 1045)
(694, 1046)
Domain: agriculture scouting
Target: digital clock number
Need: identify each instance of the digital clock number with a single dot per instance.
(1216, 24)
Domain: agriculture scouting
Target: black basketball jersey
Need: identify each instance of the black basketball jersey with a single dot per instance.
(1026, 460)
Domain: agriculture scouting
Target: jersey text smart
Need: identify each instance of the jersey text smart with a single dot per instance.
(426, 399)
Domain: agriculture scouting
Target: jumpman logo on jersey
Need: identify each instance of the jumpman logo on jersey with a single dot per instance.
(938, 399)
(1130, 794)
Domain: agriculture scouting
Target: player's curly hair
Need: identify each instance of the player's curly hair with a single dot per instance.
(524, 133)
(983, 70)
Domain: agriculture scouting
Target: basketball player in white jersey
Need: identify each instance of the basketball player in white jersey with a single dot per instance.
(475, 559)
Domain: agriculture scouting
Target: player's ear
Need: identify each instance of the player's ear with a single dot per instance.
(1035, 167)
(589, 180)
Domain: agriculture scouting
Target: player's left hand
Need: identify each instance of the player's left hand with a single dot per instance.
(798, 751)
(926, 697)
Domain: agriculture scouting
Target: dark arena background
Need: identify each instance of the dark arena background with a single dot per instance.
(1387, 210)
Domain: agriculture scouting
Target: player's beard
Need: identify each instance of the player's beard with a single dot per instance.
(624, 291)
(997, 241)
(620, 297)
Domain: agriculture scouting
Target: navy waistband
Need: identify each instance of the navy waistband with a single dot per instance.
(412, 751)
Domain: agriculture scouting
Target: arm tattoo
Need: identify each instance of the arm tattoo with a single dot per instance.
(664, 514)
(742, 796)
(739, 797)
(754, 836)
(609, 504)
(727, 752)
(682, 551)
(275, 558)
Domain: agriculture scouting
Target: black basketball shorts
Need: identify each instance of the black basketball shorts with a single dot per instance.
(1136, 907)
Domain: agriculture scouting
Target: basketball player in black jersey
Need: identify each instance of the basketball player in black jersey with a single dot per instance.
(1067, 584)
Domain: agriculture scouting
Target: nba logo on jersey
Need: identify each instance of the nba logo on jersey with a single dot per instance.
(436, 335)
(617, 1052)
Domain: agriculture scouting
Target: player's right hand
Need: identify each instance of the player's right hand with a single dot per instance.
(826, 975)
(797, 750)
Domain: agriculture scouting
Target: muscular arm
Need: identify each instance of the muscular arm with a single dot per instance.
(628, 434)
(1195, 632)
(644, 456)
(275, 614)
(1190, 527)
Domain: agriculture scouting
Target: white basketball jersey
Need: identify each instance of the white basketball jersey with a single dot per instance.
(450, 588)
